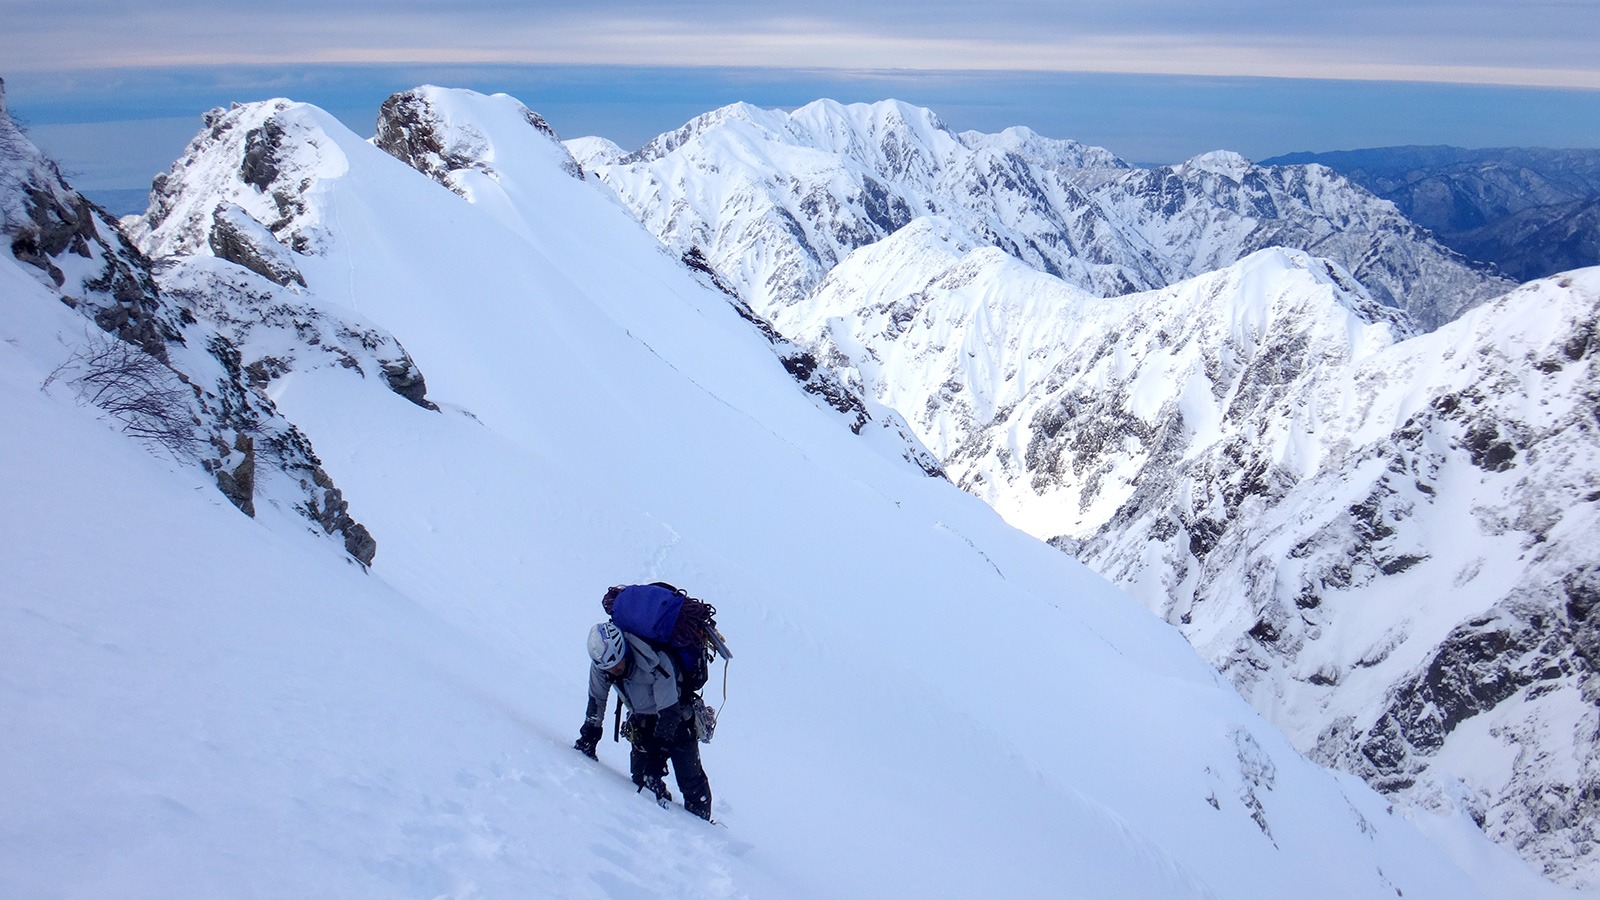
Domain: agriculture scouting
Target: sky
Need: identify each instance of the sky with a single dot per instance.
(114, 90)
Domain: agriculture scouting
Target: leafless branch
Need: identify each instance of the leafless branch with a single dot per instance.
(145, 397)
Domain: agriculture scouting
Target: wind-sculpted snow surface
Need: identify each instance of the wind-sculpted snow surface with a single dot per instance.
(220, 708)
(1268, 459)
(776, 200)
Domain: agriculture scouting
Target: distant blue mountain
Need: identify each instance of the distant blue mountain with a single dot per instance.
(1531, 211)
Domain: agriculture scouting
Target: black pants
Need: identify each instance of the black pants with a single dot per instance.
(672, 738)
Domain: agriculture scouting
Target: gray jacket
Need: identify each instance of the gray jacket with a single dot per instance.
(650, 685)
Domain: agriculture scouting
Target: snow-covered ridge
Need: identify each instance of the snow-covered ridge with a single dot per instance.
(407, 731)
(484, 149)
(775, 200)
(1058, 154)
(262, 157)
(1226, 163)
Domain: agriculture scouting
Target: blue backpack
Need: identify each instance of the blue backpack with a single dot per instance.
(668, 617)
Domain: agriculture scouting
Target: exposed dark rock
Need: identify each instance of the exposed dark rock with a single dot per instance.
(696, 260)
(408, 131)
(333, 514)
(1401, 563)
(121, 297)
(1582, 589)
(1203, 536)
(240, 239)
(1264, 632)
(1489, 452)
(405, 379)
(411, 131)
(259, 167)
(883, 209)
(238, 484)
(1479, 665)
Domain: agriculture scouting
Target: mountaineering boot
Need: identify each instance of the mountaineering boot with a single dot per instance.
(654, 785)
(699, 804)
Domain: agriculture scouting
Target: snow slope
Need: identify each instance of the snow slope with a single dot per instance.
(925, 701)
(201, 706)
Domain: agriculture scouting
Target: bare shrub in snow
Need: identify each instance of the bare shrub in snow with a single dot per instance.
(141, 393)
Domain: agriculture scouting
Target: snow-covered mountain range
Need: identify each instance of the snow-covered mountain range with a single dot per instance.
(1269, 459)
(774, 200)
(208, 704)
(1385, 539)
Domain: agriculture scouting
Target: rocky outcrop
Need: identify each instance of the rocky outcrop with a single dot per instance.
(1527, 665)
(406, 132)
(238, 483)
(45, 223)
(240, 239)
(256, 159)
(239, 437)
(412, 129)
(277, 331)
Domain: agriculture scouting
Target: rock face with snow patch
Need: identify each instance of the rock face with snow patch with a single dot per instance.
(240, 239)
(76, 249)
(414, 129)
(261, 158)
(775, 201)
